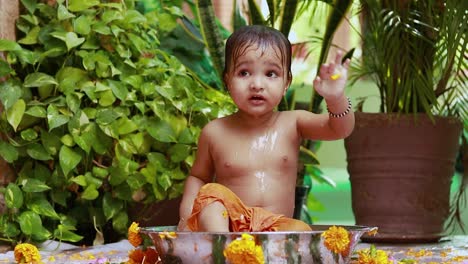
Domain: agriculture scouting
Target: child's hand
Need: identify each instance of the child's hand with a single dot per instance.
(332, 78)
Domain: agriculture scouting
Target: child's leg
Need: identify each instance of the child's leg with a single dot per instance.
(213, 218)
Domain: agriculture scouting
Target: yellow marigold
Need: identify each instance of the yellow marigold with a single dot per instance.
(27, 253)
(372, 256)
(243, 250)
(336, 239)
(134, 235)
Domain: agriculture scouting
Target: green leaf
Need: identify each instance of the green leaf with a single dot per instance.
(117, 176)
(120, 222)
(64, 233)
(179, 152)
(5, 68)
(80, 5)
(62, 13)
(69, 79)
(60, 197)
(13, 196)
(165, 181)
(161, 130)
(29, 221)
(15, 113)
(71, 39)
(125, 126)
(37, 111)
(9, 45)
(9, 94)
(111, 206)
(31, 185)
(51, 142)
(68, 159)
(43, 207)
(38, 152)
(106, 116)
(54, 118)
(82, 25)
(90, 193)
(29, 134)
(41, 234)
(80, 180)
(30, 5)
(31, 37)
(8, 152)
(38, 79)
(8, 229)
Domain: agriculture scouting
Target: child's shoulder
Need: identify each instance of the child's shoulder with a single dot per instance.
(216, 124)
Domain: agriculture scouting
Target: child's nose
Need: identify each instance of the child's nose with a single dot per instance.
(256, 84)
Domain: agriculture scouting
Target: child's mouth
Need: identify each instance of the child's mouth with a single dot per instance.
(257, 99)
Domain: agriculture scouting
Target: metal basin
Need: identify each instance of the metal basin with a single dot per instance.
(278, 247)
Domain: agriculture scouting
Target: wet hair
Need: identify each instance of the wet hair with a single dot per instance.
(262, 37)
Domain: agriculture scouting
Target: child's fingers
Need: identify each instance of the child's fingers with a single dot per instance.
(339, 57)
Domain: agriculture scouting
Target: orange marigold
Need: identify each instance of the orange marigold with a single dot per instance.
(243, 250)
(336, 239)
(140, 256)
(134, 235)
(27, 253)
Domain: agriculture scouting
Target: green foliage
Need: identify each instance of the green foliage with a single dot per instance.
(97, 118)
(415, 51)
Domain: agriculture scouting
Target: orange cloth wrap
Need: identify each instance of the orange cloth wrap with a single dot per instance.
(241, 218)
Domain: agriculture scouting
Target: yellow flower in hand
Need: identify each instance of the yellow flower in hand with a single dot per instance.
(27, 253)
(373, 256)
(336, 239)
(134, 235)
(243, 250)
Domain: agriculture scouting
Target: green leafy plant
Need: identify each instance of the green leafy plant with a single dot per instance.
(415, 51)
(97, 118)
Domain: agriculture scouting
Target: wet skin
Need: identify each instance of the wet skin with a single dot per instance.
(254, 152)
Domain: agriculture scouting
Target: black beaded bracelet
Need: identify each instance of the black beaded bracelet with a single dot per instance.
(341, 114)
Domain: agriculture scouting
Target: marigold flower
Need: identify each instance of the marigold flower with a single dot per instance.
(372, 256)
(243, 250)
(336, 239)
(134, 235)
(140, 256)
(27, 253)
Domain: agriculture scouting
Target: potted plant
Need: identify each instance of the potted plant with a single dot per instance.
(401, 160)
(97, 118)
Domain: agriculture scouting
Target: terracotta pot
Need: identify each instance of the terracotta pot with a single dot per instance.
(401, 170)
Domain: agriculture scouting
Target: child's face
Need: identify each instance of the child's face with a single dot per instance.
(258, 81)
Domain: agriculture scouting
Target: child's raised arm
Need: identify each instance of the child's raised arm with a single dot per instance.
(339, 121)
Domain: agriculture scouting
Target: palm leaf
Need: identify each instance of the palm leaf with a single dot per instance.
(211, 34)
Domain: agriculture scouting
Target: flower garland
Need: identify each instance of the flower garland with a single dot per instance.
(244, 250)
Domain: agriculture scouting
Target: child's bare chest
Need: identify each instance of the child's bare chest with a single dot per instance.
(246, 155)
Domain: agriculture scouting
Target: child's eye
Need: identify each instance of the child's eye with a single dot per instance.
(272, 74)
(243, 73)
